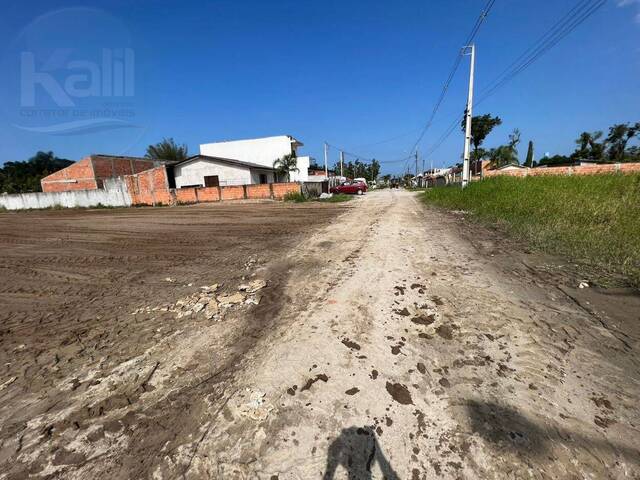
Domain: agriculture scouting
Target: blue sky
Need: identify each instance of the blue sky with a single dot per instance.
(353, 73)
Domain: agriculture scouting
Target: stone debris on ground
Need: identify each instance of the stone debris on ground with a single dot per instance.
(583, 284)
(208, 303)
(252, 405)
(253, 286)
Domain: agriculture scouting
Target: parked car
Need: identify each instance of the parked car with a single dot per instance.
(357, 188)
(361, 180)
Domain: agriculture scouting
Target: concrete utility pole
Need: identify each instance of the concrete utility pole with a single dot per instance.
(416, 167)
(469, 115)
(341, 163)
(326, 155)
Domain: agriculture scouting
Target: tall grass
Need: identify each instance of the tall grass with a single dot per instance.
(592, 219)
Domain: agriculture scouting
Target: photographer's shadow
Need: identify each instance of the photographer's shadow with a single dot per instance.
(357, 450)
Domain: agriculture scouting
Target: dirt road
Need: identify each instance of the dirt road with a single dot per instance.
(394, 343)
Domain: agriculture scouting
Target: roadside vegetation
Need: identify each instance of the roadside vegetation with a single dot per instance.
(297, 197)
(594, 220)
(336, 198)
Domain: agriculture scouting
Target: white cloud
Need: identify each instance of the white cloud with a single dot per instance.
(627, 3)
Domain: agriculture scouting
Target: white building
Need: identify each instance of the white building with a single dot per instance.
(261, 151)
(207, 171)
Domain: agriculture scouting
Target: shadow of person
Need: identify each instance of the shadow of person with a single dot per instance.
(357, 449)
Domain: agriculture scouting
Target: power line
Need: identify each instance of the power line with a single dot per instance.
(569, 22)
(456, 64)
(559, 31)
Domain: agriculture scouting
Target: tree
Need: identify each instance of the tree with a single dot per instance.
(514, 140)
(589, 147)
(285, 165)
(529, 161)
(481, 127)
(167, 149)
(20, 177)
(619, 136)
(555, 160)
(617, 140)
(506, 154)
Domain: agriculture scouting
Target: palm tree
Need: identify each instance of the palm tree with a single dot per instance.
(286, 164)
(167, 149)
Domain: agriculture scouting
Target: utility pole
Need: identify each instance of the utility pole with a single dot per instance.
(341, 163)
(326, 155)
(468, 115)
(416, 168)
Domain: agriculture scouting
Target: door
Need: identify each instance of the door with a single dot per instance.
(263, 178)
(211, 181)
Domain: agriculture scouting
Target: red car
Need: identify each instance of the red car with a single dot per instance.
(357, 188)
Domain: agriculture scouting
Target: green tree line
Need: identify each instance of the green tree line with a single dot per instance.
(22, 177)
(592, 146)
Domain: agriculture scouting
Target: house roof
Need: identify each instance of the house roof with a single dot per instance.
(228, 161)
(135, 159)
(297, 143)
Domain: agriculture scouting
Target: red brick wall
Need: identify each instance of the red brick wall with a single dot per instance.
(281, 189)
(88, 173)
(208, 194)
(150, 187)
(186, 195)
(109, 167)
(78, 176)
(259, 191)
(584, 170)
(232, 192)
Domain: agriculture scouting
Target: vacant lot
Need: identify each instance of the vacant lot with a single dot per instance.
(397, 341)
(69, 283)
(592, 219)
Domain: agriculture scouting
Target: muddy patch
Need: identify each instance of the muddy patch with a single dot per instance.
(311, 381)
(399, 393)
(424, 319)
(445, 331)
(351, 344)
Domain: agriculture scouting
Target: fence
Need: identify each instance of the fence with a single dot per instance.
(314, 189)
(115, 194)
(577, 170)
(147, 188)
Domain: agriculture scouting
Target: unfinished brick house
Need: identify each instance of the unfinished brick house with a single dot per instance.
(90, 172)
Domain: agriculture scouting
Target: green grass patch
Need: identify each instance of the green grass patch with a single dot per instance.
(337, 198)
(295, 197)
(592, 219)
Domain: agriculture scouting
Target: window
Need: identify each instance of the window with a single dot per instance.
(263, 178)
(211, 181)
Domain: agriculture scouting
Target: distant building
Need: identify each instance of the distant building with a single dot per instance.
(261, 151)
(91, 172)
(207, 171)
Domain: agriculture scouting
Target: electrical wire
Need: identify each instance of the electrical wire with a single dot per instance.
(569, 22)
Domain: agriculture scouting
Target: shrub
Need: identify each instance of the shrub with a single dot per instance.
(296, 197)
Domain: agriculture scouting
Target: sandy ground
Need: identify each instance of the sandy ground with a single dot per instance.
(395, 342)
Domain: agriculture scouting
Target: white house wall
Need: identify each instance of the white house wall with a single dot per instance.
(262, 151)
(255, 176)
(302, 175)
(193, 173)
